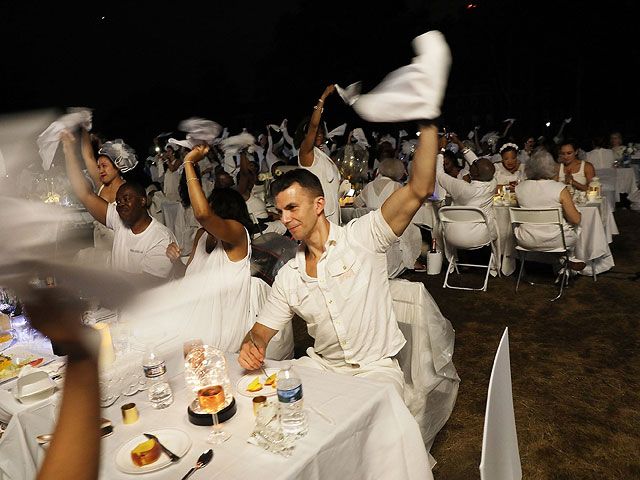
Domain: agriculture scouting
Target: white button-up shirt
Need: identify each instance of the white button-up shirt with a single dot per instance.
(348, 307)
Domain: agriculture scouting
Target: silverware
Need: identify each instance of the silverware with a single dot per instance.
(172, 456)
(204, 459)
(254, 344)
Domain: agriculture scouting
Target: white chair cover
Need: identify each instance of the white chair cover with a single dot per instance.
(500, 455)
(431, 379)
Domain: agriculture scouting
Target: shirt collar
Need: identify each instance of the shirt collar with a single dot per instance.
(335, 234)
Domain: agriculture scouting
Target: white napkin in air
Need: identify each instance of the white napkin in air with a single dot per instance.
(412, 92)
(49, 139)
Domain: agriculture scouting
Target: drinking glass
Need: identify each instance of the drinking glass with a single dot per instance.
(211, 399)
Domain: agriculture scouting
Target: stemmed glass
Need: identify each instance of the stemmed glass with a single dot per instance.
(211, 399)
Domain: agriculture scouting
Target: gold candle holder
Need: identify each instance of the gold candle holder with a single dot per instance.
(129, 413)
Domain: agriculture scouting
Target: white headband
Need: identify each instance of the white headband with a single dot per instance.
(507, 145)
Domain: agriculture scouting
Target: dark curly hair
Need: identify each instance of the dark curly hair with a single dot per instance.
(229, 204)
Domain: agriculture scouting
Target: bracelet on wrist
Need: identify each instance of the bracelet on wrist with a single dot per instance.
(321, 100)
(190, 179)
(188, 161)
(315, 107)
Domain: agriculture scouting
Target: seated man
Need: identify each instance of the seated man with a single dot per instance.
(140, 241)
(337, 283)
(477, 193)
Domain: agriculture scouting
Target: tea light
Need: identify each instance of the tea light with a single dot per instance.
(129, 413)
(107, 353)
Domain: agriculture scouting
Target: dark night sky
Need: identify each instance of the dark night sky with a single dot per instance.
(144, 68)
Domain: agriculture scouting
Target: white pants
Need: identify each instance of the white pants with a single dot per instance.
(386, 370)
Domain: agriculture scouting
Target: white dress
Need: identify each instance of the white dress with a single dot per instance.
(579, 176)
(171, 184)
(220, 314)
(504, 176)
(542, 194)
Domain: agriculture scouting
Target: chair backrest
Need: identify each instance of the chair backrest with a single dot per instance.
(459, 227)
(536, 216)
(500, 459)
(462, 215)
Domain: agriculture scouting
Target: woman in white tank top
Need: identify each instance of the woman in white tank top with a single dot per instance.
(220, 260)
(573, 171)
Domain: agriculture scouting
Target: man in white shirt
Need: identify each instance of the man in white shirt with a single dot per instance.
(337, 283)
(140, 242)
(477, 193)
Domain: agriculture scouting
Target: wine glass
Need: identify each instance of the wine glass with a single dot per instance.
(211, 399)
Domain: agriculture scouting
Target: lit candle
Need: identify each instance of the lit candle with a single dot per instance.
(107, 353)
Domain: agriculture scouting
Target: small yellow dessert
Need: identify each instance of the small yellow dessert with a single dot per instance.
(146, 453)
(254, 386)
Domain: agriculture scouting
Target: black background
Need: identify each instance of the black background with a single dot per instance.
(146, 66)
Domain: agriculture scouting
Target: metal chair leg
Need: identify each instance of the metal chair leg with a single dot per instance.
(521, 271)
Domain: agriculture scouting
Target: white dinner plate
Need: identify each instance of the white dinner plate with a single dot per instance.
(19, 355)
(175, 440)
(6, 344)
(267, 390)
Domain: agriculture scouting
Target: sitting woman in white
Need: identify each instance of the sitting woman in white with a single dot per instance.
(404, 253)
(219, 265)
(509, 172)
(573, 171)
(542, 191)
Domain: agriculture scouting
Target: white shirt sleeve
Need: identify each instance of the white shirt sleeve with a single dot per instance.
(276, 313)
(372, 232)
(155, 261)
(113, 220)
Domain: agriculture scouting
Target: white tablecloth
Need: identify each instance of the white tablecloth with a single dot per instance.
(374, 435)
(591, 246)
(620, 180)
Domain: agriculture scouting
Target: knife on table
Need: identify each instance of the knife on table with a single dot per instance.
(172, 456)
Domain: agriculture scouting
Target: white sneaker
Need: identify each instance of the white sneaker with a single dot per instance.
(413, 92)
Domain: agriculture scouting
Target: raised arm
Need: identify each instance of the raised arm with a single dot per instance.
(245, 174)
(402, 205)
(229, 231)
(89, 158)
(95, 205)
(305, 155)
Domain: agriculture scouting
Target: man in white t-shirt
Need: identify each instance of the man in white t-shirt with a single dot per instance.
(140, 241)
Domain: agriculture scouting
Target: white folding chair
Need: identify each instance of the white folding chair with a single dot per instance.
(458, 232)
(541, 216)
(500, 459)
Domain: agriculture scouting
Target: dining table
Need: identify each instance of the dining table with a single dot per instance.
(357, 429)
(617, 180)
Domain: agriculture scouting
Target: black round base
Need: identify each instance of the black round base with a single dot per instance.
(206, 419)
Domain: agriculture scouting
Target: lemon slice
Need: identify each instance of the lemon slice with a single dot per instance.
(271, 380)
(255, 385)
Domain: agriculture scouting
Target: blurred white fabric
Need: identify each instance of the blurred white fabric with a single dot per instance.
(500, 455)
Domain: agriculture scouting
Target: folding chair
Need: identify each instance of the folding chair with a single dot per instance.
(540, 217)
(458, 231)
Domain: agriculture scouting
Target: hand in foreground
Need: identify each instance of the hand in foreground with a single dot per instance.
(250, 356)
(57, 313)
(197, 153)
(173, 251)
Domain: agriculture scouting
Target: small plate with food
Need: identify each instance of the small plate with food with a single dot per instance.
(256, 383)
(143, 455)
(13, 359)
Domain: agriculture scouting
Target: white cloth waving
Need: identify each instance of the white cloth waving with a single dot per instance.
(413, 92)
(49, 139)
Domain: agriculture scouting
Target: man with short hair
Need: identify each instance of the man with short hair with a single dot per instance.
(337, 283)
(140, 241)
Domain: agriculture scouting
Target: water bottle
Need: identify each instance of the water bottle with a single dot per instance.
(155, 372)
(290, 405)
